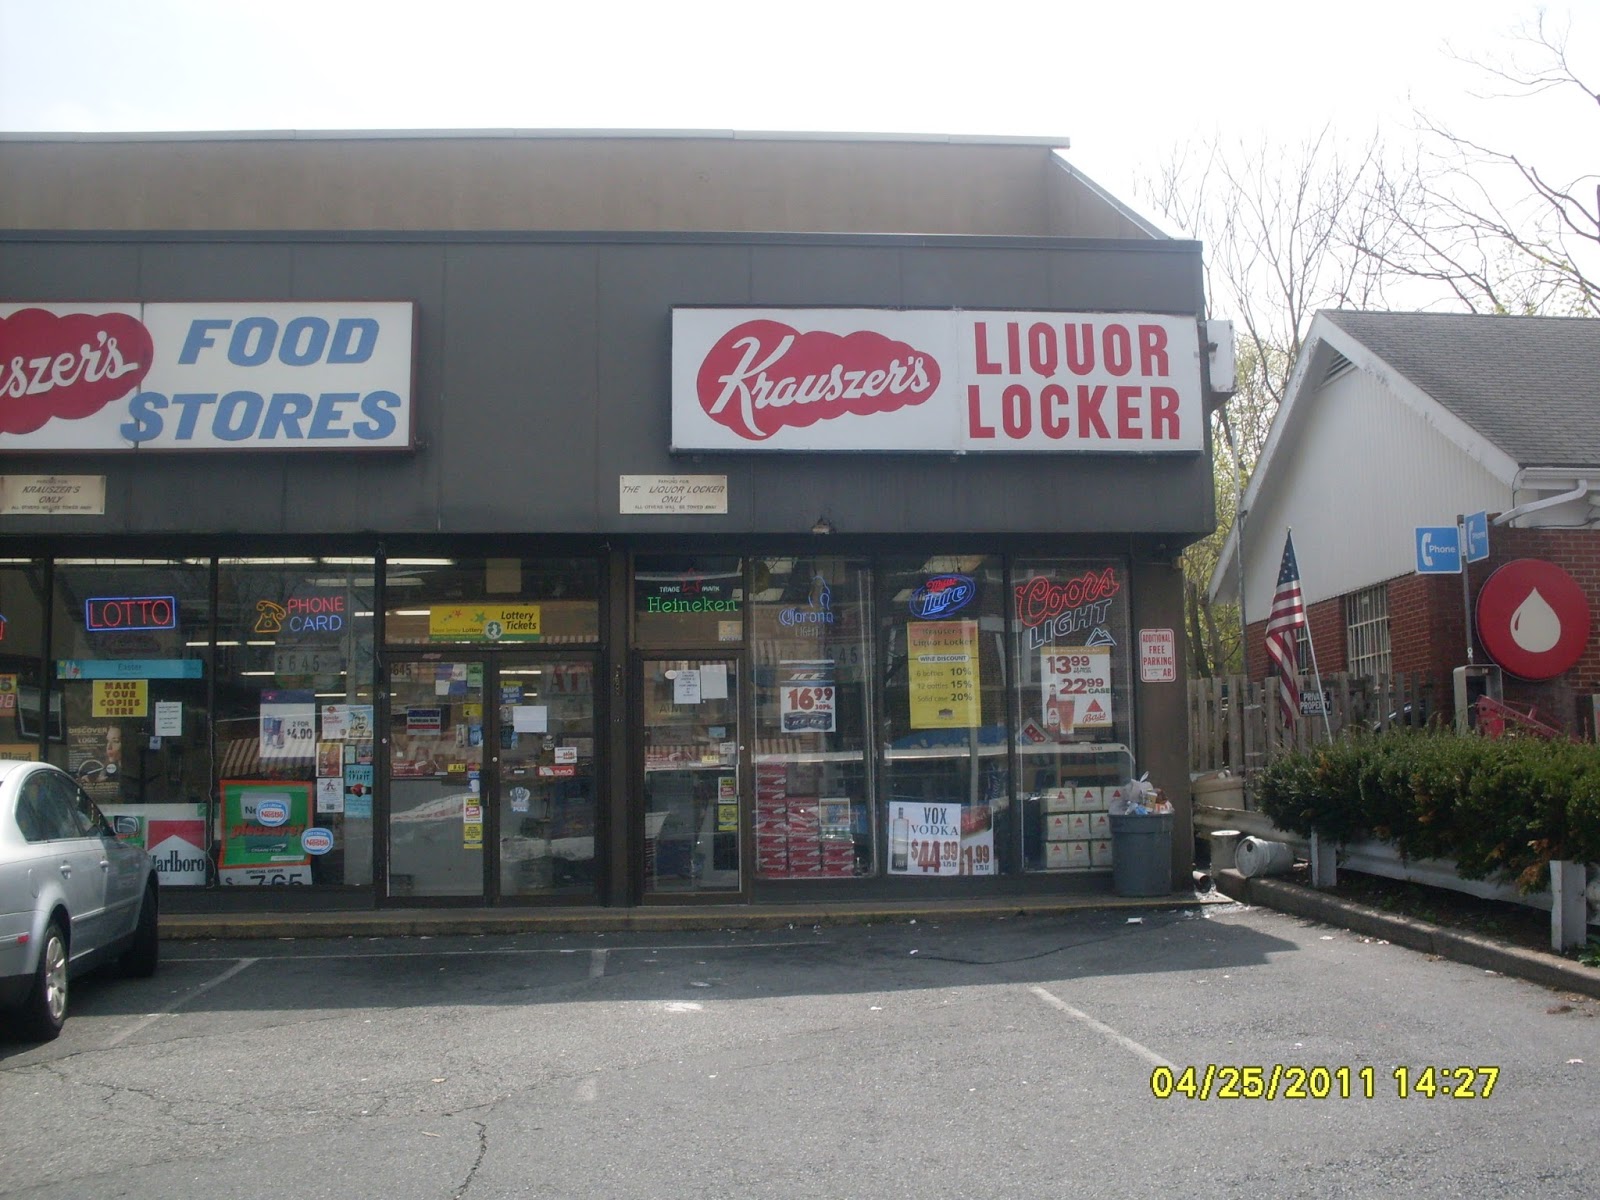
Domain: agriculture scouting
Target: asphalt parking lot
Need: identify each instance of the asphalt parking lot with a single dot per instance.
(1016, 1057)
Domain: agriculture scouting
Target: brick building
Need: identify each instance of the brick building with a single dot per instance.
(1398, 421)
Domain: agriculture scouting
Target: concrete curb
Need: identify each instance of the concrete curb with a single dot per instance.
(442, 922)
(1475, 950)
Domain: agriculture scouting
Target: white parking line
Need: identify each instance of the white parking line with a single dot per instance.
(181, 1001)
(1104, 1030)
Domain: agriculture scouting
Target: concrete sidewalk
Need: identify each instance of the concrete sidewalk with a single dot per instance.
(408, 922)
(1492, 954)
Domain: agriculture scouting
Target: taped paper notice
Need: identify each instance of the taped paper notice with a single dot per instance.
(530, 718)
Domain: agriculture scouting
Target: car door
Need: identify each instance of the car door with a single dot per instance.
(123, 865)
(64, 865)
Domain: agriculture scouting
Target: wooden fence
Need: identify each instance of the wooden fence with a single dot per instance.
(1234, 722)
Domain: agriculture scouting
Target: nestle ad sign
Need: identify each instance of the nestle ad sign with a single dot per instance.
(272, 376)
(935, 380)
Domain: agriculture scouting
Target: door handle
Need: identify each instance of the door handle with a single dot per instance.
(66, 870)
(105, 865)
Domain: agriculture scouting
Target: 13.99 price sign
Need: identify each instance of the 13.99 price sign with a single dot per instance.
(1079, 676)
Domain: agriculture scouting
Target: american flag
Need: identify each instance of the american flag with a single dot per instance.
(1288, 614)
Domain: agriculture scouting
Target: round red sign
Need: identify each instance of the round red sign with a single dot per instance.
(1533, 619)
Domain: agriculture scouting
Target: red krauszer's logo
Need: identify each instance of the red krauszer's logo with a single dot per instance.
(68, 367)
(764, 375)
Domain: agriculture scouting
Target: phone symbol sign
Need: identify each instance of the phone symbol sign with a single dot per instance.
(1438, 550)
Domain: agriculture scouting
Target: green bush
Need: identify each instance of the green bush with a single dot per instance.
(1505, 808)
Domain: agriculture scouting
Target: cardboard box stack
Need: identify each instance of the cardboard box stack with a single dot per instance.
(789, 839)
(772, 821)
(1077, 828)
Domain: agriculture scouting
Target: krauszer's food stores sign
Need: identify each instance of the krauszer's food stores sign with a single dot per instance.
(947, 381)
(274, 376)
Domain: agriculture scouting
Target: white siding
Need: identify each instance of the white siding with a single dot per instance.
(1361, 470)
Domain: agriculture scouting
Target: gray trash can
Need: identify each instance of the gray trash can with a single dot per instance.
(1141, 854)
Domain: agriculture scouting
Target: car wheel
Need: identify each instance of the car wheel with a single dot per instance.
(141, 956)
(45, 1010)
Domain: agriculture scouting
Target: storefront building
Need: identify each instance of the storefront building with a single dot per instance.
(352, 563)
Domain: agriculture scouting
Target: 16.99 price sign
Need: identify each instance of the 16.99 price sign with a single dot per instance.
(807, 708)
(1079, 677)
(807, 696)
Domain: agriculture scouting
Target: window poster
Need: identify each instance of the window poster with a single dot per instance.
(346, 722)
(686, 686)
(807, 697)
(330, 794)
(924, 839)
(1076, 688)
(262, 821)
(288, 724)
(358, 791)
(120, 698)
(943, 671)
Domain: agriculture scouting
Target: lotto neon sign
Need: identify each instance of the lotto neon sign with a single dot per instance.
(106, 614)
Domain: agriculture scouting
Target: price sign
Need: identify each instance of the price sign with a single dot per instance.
(925, 839)
(807, 708)
(1075, 686)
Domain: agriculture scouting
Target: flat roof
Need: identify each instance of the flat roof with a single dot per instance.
(737, 135)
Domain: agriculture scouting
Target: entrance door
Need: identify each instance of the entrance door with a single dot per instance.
(690, 773)
(491, 773)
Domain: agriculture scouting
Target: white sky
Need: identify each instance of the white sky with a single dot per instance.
(1124, 81)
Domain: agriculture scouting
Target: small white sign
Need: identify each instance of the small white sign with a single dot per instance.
(1158, 656)
(714, 681)
(530, 718)
(330, 795)
(169, 718)
(673, 494)
(686, 687)
(53, 495)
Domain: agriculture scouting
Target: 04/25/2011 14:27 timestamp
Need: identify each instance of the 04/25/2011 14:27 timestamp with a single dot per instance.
(1285, 1082)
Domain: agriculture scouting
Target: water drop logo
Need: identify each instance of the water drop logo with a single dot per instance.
(1533, 619)
(1535, 626)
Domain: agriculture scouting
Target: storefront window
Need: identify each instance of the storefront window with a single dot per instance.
(946, 804)
(294, 712)
(131, 644)
(22, 596)
(811, 638)
(491, 601)
(687, 600)
(1073, 705)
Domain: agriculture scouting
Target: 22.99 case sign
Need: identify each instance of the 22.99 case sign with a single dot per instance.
(1076, 687)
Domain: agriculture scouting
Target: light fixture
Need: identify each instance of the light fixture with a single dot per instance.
(823, 525)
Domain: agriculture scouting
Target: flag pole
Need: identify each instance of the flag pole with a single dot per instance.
(1311, 644)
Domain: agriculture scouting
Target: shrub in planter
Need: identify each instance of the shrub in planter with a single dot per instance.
(1317, 792)
(1505, 807)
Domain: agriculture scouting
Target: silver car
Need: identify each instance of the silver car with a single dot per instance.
(71, 896)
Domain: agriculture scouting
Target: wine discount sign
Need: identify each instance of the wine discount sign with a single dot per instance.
(935, 380)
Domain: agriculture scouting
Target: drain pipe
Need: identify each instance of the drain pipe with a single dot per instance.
(1521, 510)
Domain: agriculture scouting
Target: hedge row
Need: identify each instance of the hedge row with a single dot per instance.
(1505, 808)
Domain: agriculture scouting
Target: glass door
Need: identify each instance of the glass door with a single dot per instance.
(435, 767)
(690, 770)
(543, 776)
(492, 780)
